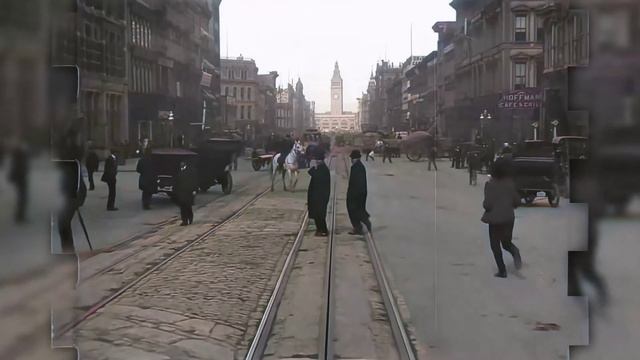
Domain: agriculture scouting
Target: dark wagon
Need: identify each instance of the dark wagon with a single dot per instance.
(215, 156)
(536, 172)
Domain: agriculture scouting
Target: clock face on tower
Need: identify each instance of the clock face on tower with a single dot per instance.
(335, 96)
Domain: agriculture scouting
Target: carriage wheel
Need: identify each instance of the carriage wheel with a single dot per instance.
(554, 196)
(227, 183)
(414, 156)
(256, 164)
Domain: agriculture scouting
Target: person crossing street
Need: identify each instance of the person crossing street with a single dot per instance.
(186, 191)
(91, 163)
(500, 200)
(357, 195)
(109, 177)
(319, 193)
(433, 153)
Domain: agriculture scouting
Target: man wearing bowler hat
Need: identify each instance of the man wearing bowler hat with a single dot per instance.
(357, 195)
(319, 192)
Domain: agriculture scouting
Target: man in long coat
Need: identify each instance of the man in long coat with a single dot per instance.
(109, 177)
(146, 181)
(319, 193)
(92, 162)
(357, 195)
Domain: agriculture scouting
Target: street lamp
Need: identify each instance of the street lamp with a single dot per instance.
(555, 124)
(483, 115)
(171, 125)
(535, 130)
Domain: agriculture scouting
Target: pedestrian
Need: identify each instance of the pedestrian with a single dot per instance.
(18, 175)
(369, 154)
(357, 195)
(186, 192)
(433, 154)
(109, 177)
(386, 152)
(456, 158)
(474, 166)
(146, 180)
(500, 200)
(92, 163)
(69, 150)
(319, 192)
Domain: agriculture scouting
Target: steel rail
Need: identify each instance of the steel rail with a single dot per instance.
(261, 339)
(156, 227)
(403, 343)
(327, 323)
(93, 309)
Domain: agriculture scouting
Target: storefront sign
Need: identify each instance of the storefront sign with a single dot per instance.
(521, 99)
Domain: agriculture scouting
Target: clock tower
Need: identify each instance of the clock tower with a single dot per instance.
(336, 92)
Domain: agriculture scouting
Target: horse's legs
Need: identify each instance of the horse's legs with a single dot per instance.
(295, 180)
(273, 176)
(284, 181)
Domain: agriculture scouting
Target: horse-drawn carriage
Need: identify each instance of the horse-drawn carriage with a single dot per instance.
(416, 145)
(536, 172)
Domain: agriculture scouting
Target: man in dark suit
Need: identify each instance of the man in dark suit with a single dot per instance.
(109, 177)
(146, 181)
(319, 193)
(18, 176)
(433, 154)
(92, 163)
(186, 191)
(357, 195)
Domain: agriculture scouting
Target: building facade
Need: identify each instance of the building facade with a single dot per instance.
(336, 120)
(239, 83)
(92, 35)
(566, 48)
(445, 77)
(385, 74)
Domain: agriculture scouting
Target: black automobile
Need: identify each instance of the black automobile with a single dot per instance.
(537, 172)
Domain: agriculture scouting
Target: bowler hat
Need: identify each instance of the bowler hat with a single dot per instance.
(319, 155)
(355, 154)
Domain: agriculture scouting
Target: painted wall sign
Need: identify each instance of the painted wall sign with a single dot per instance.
(521, 99)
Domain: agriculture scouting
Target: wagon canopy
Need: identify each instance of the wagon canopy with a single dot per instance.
(417, 140)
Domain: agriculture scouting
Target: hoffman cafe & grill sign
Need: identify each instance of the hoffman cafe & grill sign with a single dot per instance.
(521, 99)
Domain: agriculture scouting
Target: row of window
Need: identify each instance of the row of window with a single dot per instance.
(232, 74)
(142, 80)
(567, 42)
(140, 32)
(242, 113)
(229, 91)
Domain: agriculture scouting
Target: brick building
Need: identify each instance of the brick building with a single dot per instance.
(498, 53)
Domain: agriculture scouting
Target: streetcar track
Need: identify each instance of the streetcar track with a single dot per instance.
(105, 301)
(261, 339)
(404, 346)
(157, 228)
(326, 341)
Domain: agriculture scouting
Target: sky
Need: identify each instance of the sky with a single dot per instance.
(304, 38)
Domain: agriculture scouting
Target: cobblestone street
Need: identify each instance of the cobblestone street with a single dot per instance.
(206, 303)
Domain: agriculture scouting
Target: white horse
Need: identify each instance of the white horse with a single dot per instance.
(289, 168)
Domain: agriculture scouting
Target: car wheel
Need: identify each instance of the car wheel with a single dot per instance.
(227, 183)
